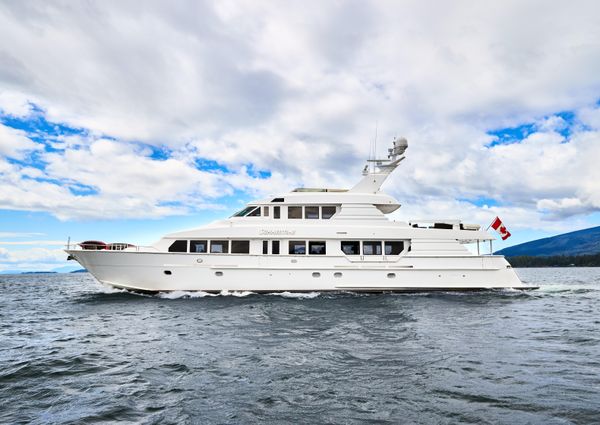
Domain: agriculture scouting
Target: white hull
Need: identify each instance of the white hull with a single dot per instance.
(145, 271)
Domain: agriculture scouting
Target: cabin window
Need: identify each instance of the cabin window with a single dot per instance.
(265, 211)
(199, 246)
(371, 248)
(311, 212)
(240, 247)
(179, 246)
(255, 212)
(394, 247)
(350, 247)
(275, 247)
(316, 248)
(243, 212)
(297, 247)
(276, 212)
(219, 247)
(265, 247)
(294, 212)
(327, 212)
(277, 200)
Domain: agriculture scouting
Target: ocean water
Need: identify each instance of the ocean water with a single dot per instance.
(73, 351)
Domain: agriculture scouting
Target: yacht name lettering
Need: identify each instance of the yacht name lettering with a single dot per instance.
(277, 232)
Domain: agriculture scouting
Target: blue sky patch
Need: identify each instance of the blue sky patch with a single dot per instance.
(508, 135)
(210, 165)
(83, 190)
(38, 127)
(159, 153)
(505, 136)
(253, 172)
(481, 201)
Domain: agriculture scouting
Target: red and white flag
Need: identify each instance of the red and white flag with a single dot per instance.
(500, 228)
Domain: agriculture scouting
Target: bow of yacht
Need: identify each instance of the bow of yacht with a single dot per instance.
(317, 239)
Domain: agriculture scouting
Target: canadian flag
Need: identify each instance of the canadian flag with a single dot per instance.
(500, 228)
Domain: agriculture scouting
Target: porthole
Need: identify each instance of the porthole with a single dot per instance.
(316, 274)
(391, 275)
(167, 272)
(199, 260)
(218, 273)
(337, 274)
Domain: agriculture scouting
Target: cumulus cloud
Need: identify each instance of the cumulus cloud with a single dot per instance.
(15, 104)
(297, 91)
(35, 258)
(14, 143)
(102, 178)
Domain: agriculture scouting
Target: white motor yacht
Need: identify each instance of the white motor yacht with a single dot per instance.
(309, 240)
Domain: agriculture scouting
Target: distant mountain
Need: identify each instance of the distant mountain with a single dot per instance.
(67, 269)
(580, 242)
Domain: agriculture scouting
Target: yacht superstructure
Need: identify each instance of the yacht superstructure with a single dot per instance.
(309, 240)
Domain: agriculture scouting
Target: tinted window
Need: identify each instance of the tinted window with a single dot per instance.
(393, 247)
(327, 212)
(198, 246)
(275, 247)
(276, 212)
(178, 246)
(311, 212)
(316, 248)
(350, 247)
(265, 211)
(265, 247)
(219, 247)
(255, 212)
(298, 247)
(277, 200)
(243, 212)
(240, 247)
(294, 212)
(372, 248)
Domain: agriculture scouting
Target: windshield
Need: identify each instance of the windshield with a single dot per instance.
(245, 211)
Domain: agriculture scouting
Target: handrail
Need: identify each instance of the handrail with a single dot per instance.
(74, 246)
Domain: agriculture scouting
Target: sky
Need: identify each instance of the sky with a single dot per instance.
(125, 120)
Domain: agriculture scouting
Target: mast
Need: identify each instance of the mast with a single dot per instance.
(377, 170)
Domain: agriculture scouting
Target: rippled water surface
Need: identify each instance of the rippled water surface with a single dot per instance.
(73, 351)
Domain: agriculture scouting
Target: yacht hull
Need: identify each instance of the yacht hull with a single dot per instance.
(164, 272)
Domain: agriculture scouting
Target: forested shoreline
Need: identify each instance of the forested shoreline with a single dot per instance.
(555, 261)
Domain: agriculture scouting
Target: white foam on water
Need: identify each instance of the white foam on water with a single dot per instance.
(298, 295)
(174, 295)
(226, 293)
(107, 289)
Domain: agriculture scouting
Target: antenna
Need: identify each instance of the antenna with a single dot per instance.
(372, 149)
(375, 143)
